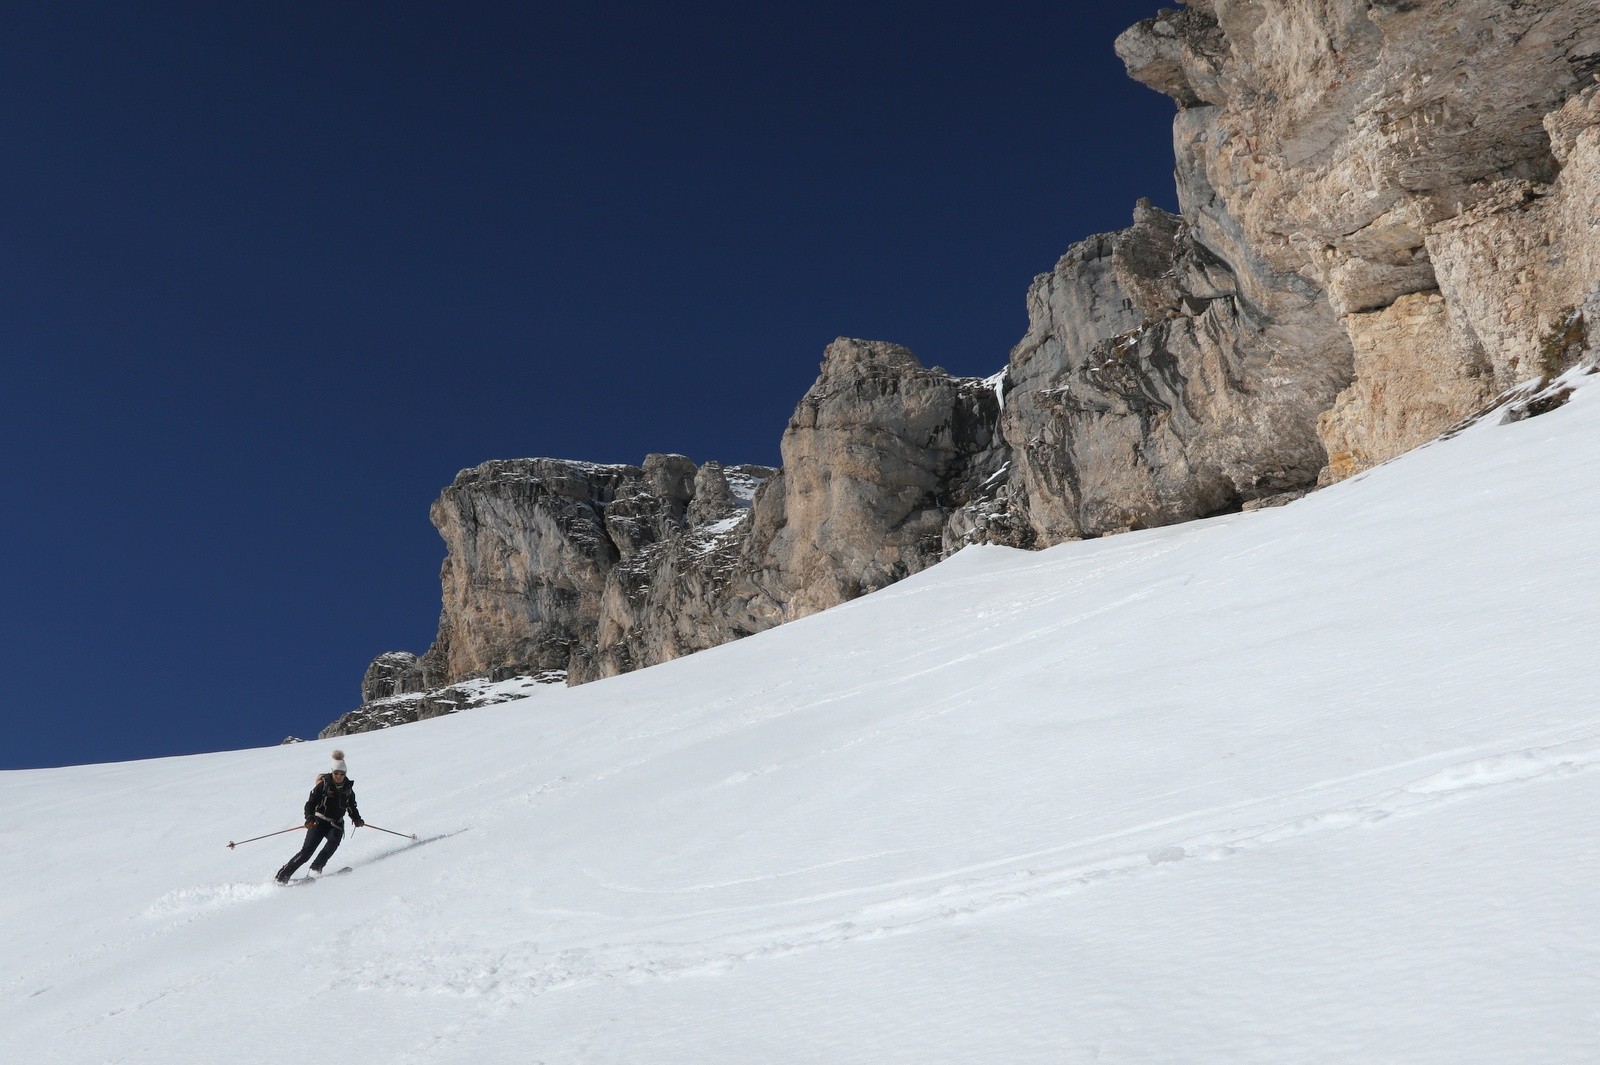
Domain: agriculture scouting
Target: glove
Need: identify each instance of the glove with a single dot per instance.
(359, 823)
(311, 824)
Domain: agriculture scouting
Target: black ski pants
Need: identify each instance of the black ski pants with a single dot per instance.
(317, 833)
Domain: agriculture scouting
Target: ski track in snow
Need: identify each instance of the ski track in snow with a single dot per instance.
(181, 907)
(513, 971)
(203, 975)
(194, 901)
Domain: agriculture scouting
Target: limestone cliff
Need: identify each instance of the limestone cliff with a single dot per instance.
(1164, 377)
(1425, 166)
(532, 547)
(1389, 214)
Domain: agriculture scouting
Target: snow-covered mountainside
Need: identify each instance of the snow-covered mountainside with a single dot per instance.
(1302, 785)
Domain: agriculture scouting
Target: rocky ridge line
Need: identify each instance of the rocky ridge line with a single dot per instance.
(1387, 217)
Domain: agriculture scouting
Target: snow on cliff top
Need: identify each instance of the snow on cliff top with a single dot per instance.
(1302, 785)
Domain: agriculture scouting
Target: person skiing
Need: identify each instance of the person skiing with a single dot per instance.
(332, 796)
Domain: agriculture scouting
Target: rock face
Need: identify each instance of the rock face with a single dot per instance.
(1165, 377)
(1387, 216)
(532, 544)
(391, 674)
(583, 571)
(1425, 165)
(878, 455)
(403, 708)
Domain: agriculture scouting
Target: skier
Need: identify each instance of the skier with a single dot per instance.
(332, 795)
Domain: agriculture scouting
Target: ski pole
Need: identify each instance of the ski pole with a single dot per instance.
(402, 835)
(252, 839)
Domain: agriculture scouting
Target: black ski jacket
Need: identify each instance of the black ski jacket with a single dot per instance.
(330, 801)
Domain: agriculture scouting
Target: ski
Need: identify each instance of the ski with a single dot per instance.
(311, 878)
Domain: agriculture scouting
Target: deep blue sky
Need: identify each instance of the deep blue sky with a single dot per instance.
(270, 274)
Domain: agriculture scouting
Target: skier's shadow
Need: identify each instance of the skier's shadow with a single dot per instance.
(386, 855)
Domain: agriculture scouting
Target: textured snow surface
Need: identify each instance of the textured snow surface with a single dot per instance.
(1312, 784)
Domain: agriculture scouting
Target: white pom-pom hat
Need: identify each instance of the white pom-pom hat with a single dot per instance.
(338, 763)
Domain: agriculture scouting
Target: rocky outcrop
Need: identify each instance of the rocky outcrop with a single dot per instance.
(1417, 371)
(529, 546)
(1422, 164)
(1163, 379)
(533, 545)
(1387, 217)
(879, 457)
(683, 593)
(402, 709)
(588, 571)
(392, 674)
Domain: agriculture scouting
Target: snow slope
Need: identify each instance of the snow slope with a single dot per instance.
(1303, 785)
